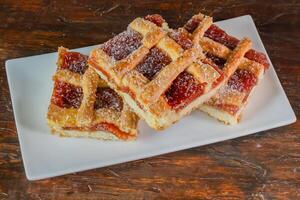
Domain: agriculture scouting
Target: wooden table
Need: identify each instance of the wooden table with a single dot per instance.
(261, 166)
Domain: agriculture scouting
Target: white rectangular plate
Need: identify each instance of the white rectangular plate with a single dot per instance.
(46, 155)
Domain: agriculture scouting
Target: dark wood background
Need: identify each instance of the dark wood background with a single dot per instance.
(262, 166)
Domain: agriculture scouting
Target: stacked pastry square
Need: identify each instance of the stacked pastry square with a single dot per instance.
(161, 74)
(82, 105)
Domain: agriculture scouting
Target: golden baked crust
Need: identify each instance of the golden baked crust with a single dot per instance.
(227, 105)
(86, 120)
(147, 97)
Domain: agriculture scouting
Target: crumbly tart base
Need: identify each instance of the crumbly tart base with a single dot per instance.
(100, 135)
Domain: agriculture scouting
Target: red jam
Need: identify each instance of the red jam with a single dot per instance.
(156, 19)
(182, 38)
(220, 62)
(153, 63)
(183, 90)
(242, 80)
(122, 45)
(66, 95)
(192, 24)
(102, 127)
(218, 35)
(258, 57)
(75, 62)
(108, 98)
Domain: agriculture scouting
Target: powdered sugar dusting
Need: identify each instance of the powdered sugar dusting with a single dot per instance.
(242, 80)
(108, 98)
(182, 38)
(153, 63)
(183, 90)
(123, 44)
(66, 95)
(74, 62)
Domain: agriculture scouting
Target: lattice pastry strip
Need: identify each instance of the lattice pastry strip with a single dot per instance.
(227, 105)
(82, 104)
(162, 74)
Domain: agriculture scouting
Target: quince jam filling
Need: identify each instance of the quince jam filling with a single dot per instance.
(156, 19)
(242, 80)
(108, 98)
(66, 95)
(192, 24)
(182, 38)
(153, 63)
(107, 127)
(258, 57)
(220, 62)
(218, 35)
(183, 90)
(74, 61)
(120, 46)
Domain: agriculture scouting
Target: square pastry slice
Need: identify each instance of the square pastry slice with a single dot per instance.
(162, 74)
(227, 105)
(82, 105)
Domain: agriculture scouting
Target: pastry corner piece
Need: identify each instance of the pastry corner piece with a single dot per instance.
(162, 73)
(228, 104)
(82, 105)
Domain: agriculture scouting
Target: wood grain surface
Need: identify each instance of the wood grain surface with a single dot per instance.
(261, 166)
